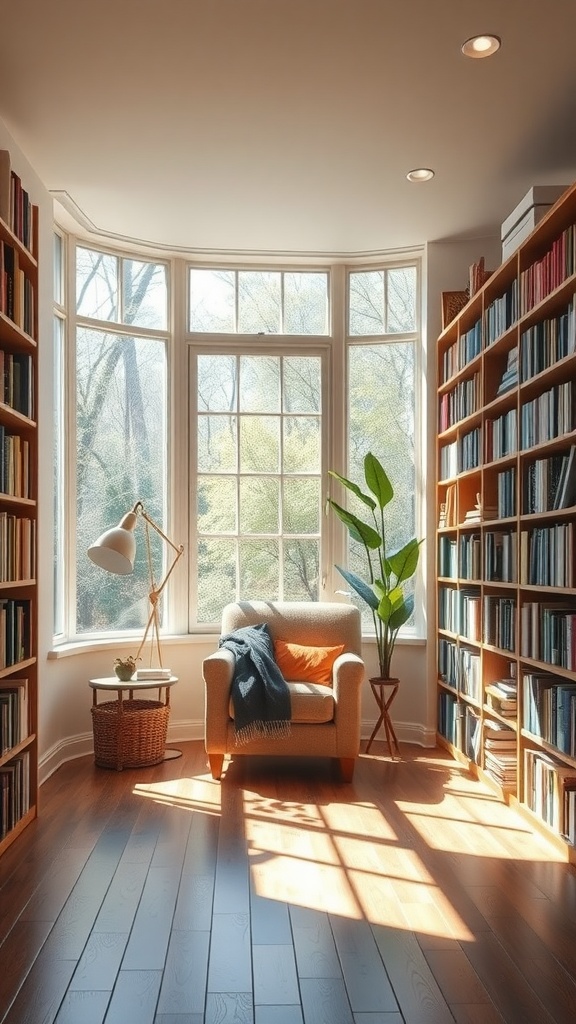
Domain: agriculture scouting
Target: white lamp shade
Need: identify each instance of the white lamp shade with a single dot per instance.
(115, 549)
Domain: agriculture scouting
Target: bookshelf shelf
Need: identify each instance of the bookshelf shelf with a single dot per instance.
(18, 505)
(507, 404)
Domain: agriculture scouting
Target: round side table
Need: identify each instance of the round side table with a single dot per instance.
(131, 732)
(384, 702)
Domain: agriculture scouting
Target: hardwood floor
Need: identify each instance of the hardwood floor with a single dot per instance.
(281, 896)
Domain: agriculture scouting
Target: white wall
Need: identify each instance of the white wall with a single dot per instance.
(65, 728)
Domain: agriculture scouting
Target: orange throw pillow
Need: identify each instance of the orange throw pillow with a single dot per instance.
(306, 664)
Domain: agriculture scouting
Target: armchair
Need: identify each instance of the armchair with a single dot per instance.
(325, 716)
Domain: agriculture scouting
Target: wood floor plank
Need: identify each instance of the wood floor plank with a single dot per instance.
(146, 949)
(134, 998)
(275, 978)
(378, 1018)
(316, 955)
(100, 962)
(415, 987)
(324, 1001)
(83, 1006)
(42, 993)
(229, 1008)
(230, 961)
(278, 1014)
(365, 977)
(185, 975)
(504, 982)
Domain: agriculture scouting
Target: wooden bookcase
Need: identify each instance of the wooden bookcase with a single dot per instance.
(18, 505)
(506, 538)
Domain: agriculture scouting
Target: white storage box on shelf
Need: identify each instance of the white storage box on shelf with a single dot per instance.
(526, 216)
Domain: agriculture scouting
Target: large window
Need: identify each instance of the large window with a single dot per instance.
(259, 434)
(229, 420)
(121, 425)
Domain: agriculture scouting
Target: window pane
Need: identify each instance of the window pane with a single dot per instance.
(301, 570)
(59, 476)
(259, 303)
(366, 301)
(145, 294)
(259, 505)
(259, 384)
(96, 284)
(301, 506)
(217, 444)
(216, 578)
(212, 301)
(58, 270)
(305, 303)
(259, 570)
(301, 384)
(217, 504)
(259, 444)
(381, 401)
(401, 300)
(302, 444)
(217, 383)
(121, 457)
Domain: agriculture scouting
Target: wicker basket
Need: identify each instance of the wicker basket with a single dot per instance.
(129, 733)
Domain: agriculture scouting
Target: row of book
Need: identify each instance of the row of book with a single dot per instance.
(548, 632)
(506, 493)
(548, 556)
(16, 209)
(500, 556)
(462, 352)
(548, 273)
(13, 713)
(17, 382)
(549, 710)
(461, 725)
(14, 465)
(17, 548)
(462, 401)
(501, 436)
(14, 791)
(550, 484)
(546, 342)
(15, 631)
(459, 667)
(550, 791)
(17, 292)
(499, 622)
(501, 314)
(552, 414)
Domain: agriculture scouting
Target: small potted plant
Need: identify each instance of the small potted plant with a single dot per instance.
(387, 571)
(125, 668)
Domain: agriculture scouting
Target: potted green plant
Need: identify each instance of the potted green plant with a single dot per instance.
(387, 571)
(124, 668)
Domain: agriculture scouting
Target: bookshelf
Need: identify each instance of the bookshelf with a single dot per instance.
(18, 505)
(506, 537)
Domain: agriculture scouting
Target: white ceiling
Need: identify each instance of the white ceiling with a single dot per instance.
(288, 126)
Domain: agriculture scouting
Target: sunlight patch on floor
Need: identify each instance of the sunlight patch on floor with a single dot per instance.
(199, 793)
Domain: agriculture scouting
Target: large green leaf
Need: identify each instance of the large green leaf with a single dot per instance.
(377, 480)
(361, 588)
(402, 614)
(358, 530)
(403, 562)
(354, 488)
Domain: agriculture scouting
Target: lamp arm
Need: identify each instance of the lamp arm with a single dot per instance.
(156, 591)
(139, 510)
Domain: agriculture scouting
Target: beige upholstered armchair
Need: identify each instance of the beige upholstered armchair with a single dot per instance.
(325, 717)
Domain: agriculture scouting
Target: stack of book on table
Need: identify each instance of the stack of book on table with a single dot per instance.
(142, 674)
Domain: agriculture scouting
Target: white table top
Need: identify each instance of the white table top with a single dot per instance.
(113, 683)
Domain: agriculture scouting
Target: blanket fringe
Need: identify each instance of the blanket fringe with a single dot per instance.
(260, 729)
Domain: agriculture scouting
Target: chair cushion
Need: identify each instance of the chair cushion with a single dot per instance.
(312, 703)
(310, 664)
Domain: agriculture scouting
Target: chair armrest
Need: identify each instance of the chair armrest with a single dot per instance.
(347, 678)
(217, 670)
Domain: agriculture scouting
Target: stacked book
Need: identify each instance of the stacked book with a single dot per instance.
(502, 697)
(143, 674)
(500, 754)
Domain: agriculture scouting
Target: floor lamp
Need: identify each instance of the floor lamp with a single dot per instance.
(115, 551)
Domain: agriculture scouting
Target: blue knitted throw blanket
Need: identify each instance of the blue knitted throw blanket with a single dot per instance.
(260, 694)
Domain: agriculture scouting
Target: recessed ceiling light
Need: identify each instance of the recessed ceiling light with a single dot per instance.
(420, 174)
(481, 46)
